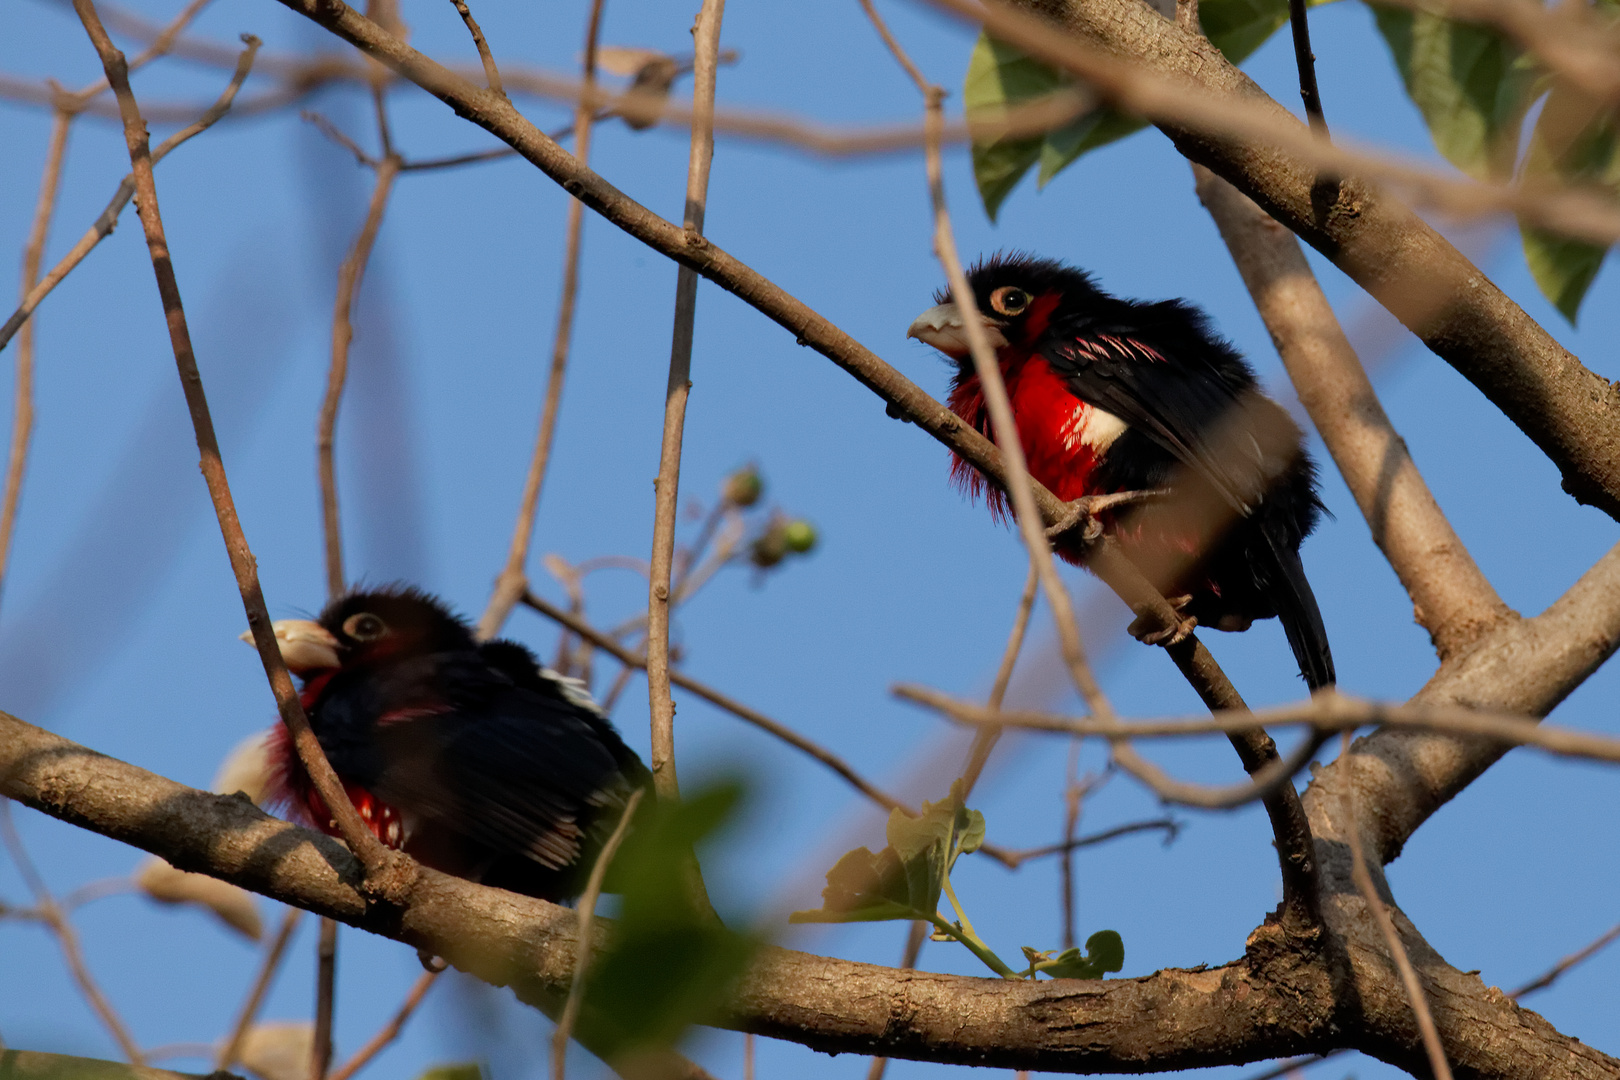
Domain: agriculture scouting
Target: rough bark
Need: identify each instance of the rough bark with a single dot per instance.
(1288, 993)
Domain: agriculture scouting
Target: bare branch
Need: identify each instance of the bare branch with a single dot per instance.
(1327, 713)
(348, 287)
(491, 73)
(595, 637)
(387, 870)
(51, 914)
(1552, 974)
(1305, 61)
(1524, 666)
(1168, 825)
(985, 741)
(271, 964)
(512, 581)
(1274, 1002)
(109, 217)
(1451, 597)
(320, 1057)
(587, 914)
(1392, 939)
(22, 421)
(706, 36)
(389, 1031)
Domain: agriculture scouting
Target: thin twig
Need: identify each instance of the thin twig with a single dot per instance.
(1169, 825)
(390, 1031)
(333, 132)
(706, 38)
(491, 73)
(1552, 974)
(1327, 713)
(126, 189)
(157, 48)
(22, 421)
(1074, 797)
(261, 986)
(1386, 926)
(1002, 421)
(748, 1056)
(459, 159)
(512, 580)
(349, 277)
(630, 660)
(1288, 1066)
(1305, 61)
(320, 1057)
(985, 741)
(67, 937)
(366, 847)
(582, 938)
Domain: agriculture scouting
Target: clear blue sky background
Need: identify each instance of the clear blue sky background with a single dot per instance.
(119, 619)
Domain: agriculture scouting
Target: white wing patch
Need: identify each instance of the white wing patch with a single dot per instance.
(1093, 427)
(573, 691)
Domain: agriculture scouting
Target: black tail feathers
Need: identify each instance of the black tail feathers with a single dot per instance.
(1301, 618)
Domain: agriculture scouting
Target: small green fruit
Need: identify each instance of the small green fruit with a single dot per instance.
(799, 536)
(743, 487)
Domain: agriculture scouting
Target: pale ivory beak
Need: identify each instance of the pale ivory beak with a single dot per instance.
(305, 645)
(941, 326)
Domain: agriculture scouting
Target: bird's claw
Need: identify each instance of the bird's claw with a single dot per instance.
(1074, 513)
(1146, 628)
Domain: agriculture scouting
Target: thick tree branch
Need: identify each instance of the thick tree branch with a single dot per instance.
(1525, 666)
(1451, 598)
(1279, 999)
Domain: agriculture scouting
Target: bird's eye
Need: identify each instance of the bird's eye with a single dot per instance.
(364, 627)
(1009, 300)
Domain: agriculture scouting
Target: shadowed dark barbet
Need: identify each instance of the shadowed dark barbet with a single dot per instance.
(472, 758)
(1118, 395)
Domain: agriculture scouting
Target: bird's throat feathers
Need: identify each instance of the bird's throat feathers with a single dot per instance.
(1063, 437)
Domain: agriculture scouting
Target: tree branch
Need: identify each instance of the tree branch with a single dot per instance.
(1524, 666)
(389, 871)
(1277, 1000)
(706, 36)
(1451, 598)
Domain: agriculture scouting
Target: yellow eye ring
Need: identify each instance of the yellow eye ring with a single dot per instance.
(1009, 300)
(364, 627)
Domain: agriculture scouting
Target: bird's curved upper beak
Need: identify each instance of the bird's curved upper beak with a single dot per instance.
(305, 645)
(941, 326)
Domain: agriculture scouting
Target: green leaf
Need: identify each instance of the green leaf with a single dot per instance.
(1105, 952)
(1000, 76)
(904, 880)
(458, 1070)
(1239, 27)
(1472, 86)
(667, 965)
(1097, 128)
(1575, 142)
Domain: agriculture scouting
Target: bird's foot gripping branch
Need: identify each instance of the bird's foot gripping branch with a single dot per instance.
(905, 880)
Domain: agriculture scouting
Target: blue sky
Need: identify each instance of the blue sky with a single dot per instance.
(119, 617)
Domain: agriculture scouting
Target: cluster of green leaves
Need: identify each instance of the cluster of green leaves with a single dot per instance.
(668, 963)
(1474, 88)
(905, 880)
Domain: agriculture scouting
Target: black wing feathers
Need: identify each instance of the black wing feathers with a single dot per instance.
(1162, 370)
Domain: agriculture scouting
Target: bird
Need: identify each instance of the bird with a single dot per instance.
(1113, 395)
(471, 757)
